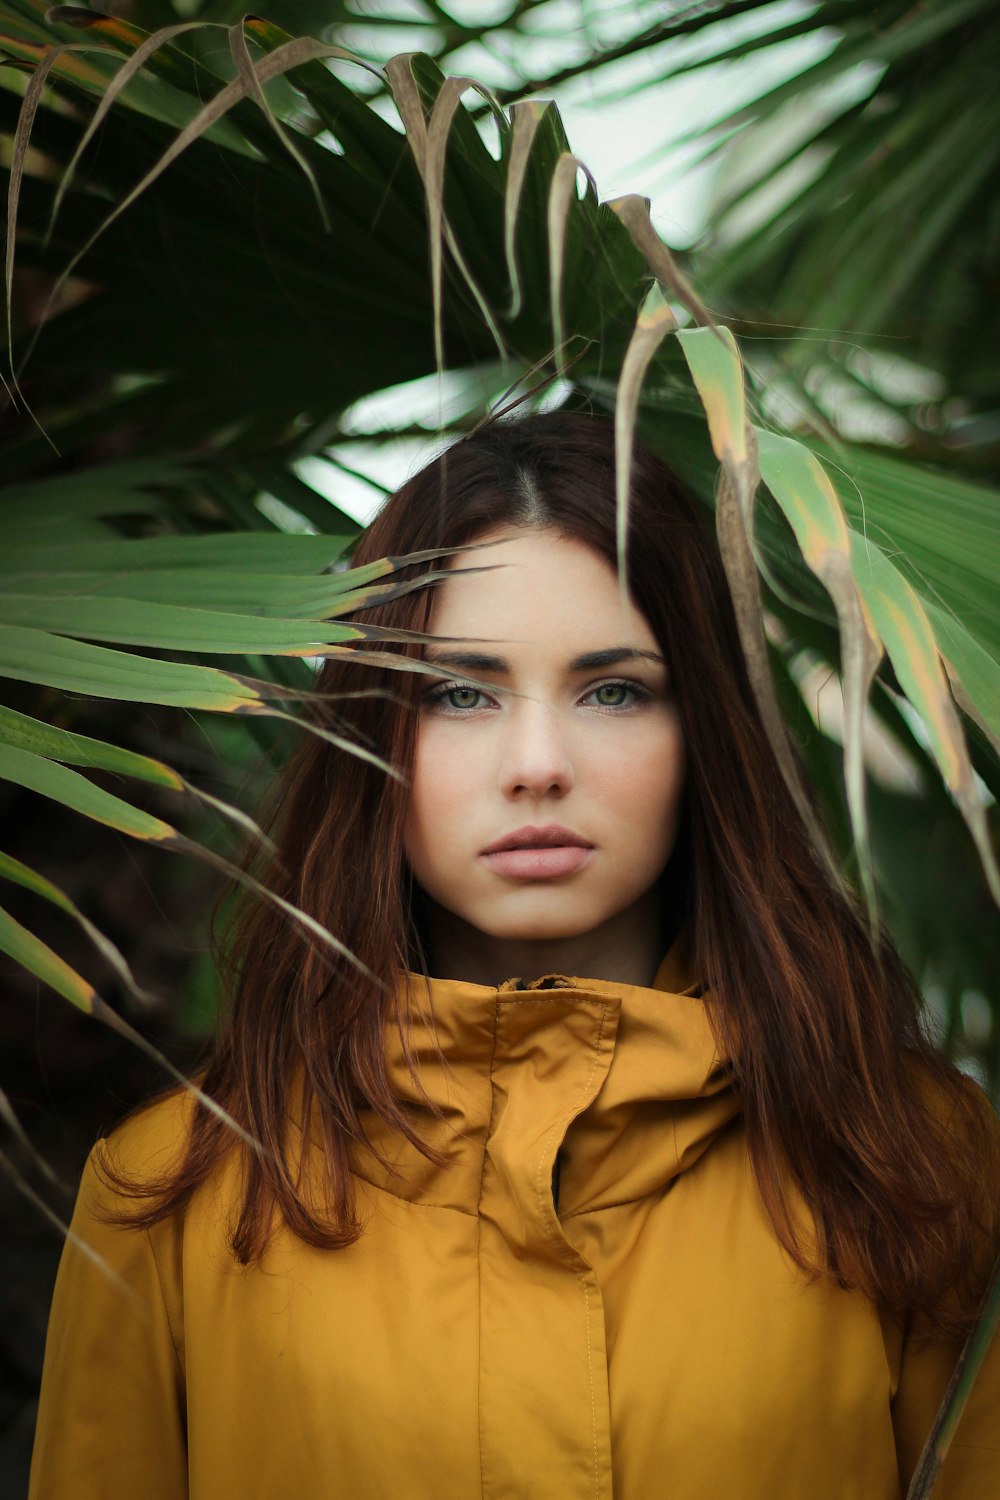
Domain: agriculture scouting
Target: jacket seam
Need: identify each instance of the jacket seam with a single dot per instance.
(565, 1118)
(590, 1377)
(546, 997)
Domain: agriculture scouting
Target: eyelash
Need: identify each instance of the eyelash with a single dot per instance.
(437, 696)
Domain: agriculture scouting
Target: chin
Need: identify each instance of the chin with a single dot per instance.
(537, 929)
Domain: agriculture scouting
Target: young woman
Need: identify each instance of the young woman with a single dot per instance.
(618, 1165)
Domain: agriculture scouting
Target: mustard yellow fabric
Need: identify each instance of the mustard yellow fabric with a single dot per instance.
(644, 1338)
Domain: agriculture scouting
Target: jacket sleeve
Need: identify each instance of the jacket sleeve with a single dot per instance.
(111, 1419)
(972, 1464)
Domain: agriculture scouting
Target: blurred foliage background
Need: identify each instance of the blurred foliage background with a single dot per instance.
(207, 368)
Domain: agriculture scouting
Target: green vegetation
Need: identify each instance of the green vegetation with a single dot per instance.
(219, 243)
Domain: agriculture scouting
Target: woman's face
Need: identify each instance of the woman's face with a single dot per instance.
(574, 754)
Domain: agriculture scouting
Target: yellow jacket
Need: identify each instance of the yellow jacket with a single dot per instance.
(643, 1336)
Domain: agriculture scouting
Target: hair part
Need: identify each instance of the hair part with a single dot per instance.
(850, 1111)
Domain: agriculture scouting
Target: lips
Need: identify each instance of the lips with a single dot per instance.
(549, 837)
(538, 853)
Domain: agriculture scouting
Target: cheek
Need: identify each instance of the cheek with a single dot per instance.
(438, 796)
(649, 787)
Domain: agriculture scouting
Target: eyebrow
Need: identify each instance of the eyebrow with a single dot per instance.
(478, 661)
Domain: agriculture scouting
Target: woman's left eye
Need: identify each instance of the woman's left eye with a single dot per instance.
(617, 694)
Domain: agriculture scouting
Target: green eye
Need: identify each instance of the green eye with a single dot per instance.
(612, 694)
(462, 697)
(453, 697)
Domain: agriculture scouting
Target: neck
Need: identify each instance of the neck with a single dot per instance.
(626, 950)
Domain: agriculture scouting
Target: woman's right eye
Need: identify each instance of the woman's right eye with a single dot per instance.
(455, 697)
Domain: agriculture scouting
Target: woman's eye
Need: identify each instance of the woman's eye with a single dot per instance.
(617, 694)
(455, 696)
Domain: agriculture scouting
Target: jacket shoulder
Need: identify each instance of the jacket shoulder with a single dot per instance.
(152, 1140)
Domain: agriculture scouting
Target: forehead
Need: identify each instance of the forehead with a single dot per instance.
(537, 588)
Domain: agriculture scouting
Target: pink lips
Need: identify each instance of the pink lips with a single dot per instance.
(538, 853)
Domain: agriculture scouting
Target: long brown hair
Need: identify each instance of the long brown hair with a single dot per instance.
(848, 1107)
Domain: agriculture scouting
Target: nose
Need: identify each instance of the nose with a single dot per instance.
(535, 758)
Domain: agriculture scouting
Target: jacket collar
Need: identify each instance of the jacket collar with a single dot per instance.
(623, 1086)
